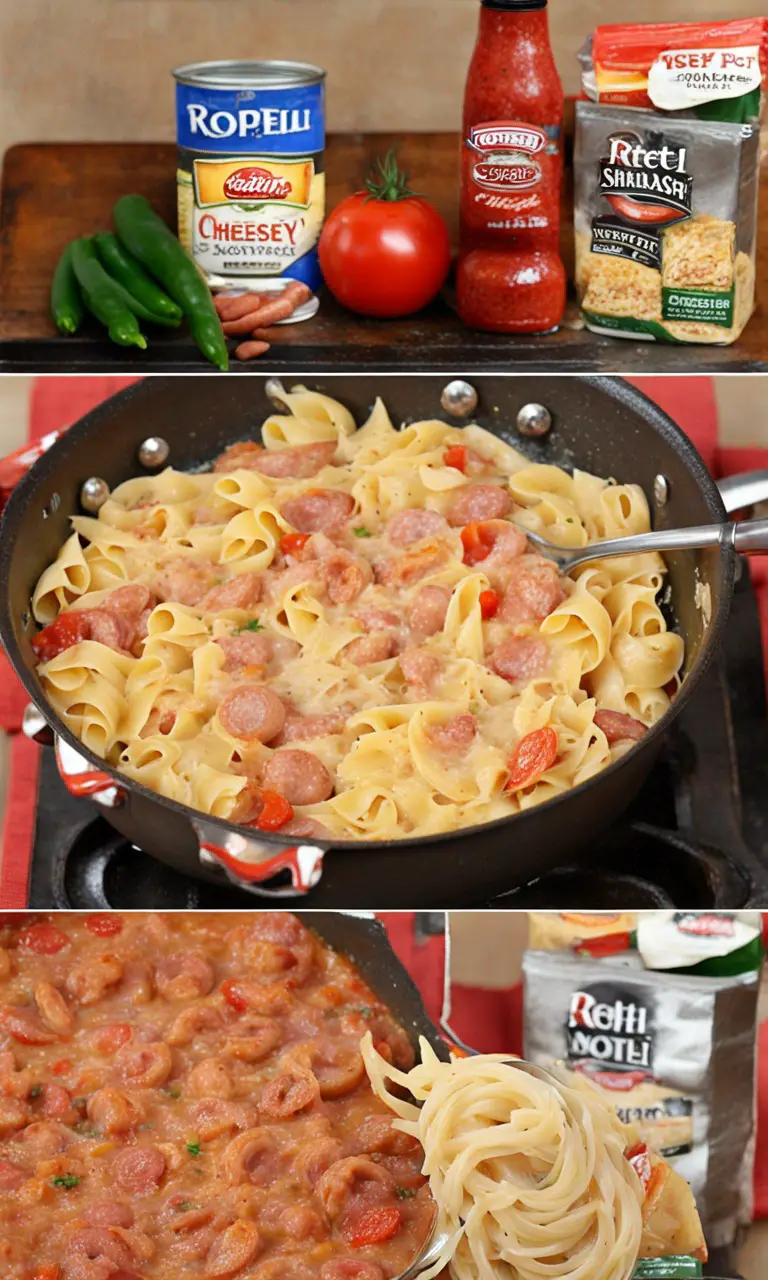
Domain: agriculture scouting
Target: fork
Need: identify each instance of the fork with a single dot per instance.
(747, 537)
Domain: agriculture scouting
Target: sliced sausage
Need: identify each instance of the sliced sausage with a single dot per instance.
(617, 726)
(11, 1176)
(132, 599)
(374, 619)
(350, 1269)
(253, 713)
(456, 736)
(532, 592)
(95, 1253)
(305, 828)
(375, 647)
(479, 502)
(314, 1158)
(299, 776)
(411, 566)
(239, 457)
(25, 1027)
(114, 1112)
(53, 1009)
(138, 1169)
(108, 1213)
(252, 1157)
(253, 1038)
(292, 1221)
(337, 1068)
(115, 630)
(319, 510)
(216, 1116)
(89, 982)
(521, 658)
(184, 581)
(414, 525)
(339, 1182)
(426, 614)
(240, 592)
(45, 1139)
(187, 975)
(376, 1134)
(210, 1078)
(14, 1114)
(420, 668)
(55, 1103)
(193, 1022)
(233, 1250)
(302, 728)
(288, 1093)
(298, 463)
(346, 576)
(246, 650)
(145, 1066)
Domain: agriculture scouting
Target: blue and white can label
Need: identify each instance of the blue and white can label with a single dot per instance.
(250, 178)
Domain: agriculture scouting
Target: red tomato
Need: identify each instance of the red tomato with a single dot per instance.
(231, 991)
(104, 926)
(112, 1036)
(292, 544)
(640, 1160)
(43, 939)
(456, 456)
(374, 1227)
(62, 1066)
(489, 604)
(275, 811)
(477, 540)
(66, 630)
(24, 1027)
(535, 753)
(385, 251)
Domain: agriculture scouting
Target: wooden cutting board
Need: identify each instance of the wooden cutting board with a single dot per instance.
(53, 192)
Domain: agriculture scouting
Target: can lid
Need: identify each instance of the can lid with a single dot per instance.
(233, 74)
(517, 6)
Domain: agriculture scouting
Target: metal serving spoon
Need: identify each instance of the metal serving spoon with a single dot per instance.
(439, 1235)
(747, 537)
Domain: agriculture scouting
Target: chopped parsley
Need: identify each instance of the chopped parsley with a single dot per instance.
(569, 520)
(194, 1148)
(362, 532)
(184, 1206)
(173, 1091)
(66, 1180)
(79, 1103)
(253, 625)
(35, 1091)
(366, 1012)
(404, 1193)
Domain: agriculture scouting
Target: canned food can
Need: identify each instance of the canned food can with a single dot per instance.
(251, 174)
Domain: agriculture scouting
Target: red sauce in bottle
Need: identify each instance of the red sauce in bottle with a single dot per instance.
(510, 277)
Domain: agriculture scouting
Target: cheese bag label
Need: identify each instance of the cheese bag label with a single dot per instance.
(674, 1053)
(666, 165)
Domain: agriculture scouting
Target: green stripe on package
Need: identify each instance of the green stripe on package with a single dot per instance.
(672, 1268)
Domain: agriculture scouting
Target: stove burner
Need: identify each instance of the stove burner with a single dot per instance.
(696, 836)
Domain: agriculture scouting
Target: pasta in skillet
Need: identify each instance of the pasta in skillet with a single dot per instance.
(343, 632)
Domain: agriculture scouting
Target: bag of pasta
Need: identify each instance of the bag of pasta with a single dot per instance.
(567, 930)
(675, 1054)
(666, 179)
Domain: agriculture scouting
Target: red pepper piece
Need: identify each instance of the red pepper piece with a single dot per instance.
(535, 753)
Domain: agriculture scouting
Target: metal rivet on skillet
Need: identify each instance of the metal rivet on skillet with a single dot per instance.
(153, 452)
(276, 393)
(94, 494)
(459, 398)
(52, 507)
(660, 490)
(534, 420)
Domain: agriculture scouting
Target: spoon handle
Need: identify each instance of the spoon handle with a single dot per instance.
(749, 537)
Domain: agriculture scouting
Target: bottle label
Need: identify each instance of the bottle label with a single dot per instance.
(506, 155)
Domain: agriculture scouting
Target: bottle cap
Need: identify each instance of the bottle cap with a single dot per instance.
(517, 6)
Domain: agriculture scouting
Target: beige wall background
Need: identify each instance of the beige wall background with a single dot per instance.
(99, 69)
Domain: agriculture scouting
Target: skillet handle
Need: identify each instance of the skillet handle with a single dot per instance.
(750, 537)
(745, 490)
(248, 862)
(15, 466)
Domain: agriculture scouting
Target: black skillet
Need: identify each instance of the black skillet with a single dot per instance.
(601, 424)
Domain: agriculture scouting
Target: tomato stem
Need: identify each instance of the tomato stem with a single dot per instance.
(390, 182)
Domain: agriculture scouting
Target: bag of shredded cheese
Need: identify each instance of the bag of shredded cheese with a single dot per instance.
(666, 170)
(674, 1055)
